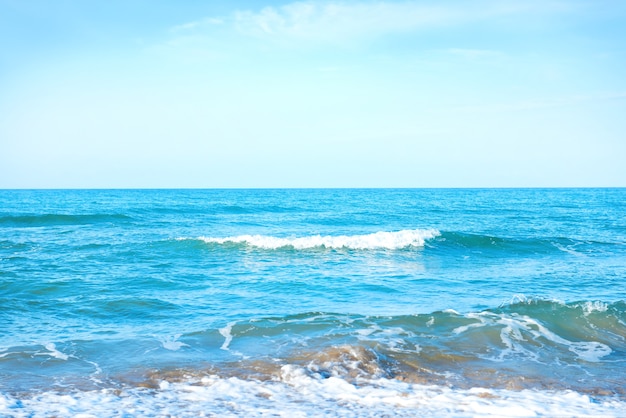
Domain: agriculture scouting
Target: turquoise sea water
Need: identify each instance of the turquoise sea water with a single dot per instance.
(365, 302)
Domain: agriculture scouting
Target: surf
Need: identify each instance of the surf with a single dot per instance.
(394, 240)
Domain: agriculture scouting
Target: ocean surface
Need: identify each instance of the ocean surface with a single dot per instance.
(337, 302)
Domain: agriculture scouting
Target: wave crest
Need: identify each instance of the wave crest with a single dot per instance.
(378, 240)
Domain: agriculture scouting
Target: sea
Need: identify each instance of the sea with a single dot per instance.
(313, 302)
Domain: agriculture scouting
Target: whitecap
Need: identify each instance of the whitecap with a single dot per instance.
(378, 240)
(595, 306)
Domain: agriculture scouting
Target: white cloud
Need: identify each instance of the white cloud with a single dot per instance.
(189, 26)
(340, 20)
(345, 20)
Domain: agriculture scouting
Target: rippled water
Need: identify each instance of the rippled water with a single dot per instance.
(361, 301)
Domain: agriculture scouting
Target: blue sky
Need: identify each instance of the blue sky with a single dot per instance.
(152, 93)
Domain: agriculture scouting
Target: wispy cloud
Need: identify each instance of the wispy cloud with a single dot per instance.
(344, 20)
(186, 27)
(340, 20)
(302, 24)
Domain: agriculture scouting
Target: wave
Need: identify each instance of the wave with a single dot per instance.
(52, 219)
(415, 238)
(378, 240)
(590, 331)
(486, 244)
(523, 350)
(293, 389)
(524, 345)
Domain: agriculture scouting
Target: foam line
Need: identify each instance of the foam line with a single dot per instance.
(378, 240)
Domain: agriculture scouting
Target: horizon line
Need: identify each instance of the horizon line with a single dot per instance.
(315, 188)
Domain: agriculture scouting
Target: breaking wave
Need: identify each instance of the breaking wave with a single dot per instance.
(378, 240)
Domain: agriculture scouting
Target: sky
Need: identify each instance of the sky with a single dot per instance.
(204, 94)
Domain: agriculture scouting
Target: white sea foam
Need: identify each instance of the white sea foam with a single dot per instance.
(595, 306)
(53, 352)
(172, 343)
(516, 329)
(591, 351)
(378, 240)
(227, 334)
(298, 393)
